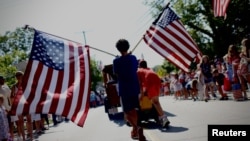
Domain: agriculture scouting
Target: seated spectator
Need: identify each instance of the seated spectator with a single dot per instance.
(219, 80)
(192, 88)
(92, 99)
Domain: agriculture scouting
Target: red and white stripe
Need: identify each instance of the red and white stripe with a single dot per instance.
(63, 92)
(173, 43)
(220, 7)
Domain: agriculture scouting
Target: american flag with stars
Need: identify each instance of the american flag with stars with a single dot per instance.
(56, 80)
(168, 37)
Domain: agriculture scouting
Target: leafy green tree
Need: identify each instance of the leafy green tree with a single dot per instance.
(21, 40)
(15, 47)
(168, 66)
(212, 34)
(95, 72)
(7, 70)
(165, 68)
(159, 70)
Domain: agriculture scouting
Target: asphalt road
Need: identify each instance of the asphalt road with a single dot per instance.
(189, 122)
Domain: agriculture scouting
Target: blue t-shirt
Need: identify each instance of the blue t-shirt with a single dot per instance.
(125, 67)
(206, 70)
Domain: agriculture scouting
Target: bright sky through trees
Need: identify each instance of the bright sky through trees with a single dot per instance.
(103, 22)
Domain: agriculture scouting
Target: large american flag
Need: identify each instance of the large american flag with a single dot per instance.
(220, 7)
(168, 37)
(56, 80)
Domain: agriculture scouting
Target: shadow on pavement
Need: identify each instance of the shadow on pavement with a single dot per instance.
(152, 125)
(149, 123)
(118, 119)
(169, 114)
(173, 129)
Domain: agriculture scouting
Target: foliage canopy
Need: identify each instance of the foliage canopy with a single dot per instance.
(212, 34)
(15, 47)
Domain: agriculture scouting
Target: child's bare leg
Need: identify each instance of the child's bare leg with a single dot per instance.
(221, 91)
(155, 101)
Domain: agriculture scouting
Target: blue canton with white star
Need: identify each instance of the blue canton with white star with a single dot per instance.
(48, 50)
(167, 17)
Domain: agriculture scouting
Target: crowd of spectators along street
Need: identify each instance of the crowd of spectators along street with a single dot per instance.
(96, 98)
(30, 126)
(214, 77)
(21, 127)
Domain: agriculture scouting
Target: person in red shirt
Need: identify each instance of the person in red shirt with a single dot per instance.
(150, 84)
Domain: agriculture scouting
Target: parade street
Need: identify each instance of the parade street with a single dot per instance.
(189, 122)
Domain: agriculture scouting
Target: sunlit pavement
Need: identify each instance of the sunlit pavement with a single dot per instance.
(189, 122)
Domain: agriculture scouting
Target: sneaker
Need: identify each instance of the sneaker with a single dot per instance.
(197, 98)
(19, 138)
(223, 98)
(240, 99)
(214, 95)
(39, 132)
(134, 135)
(165, 122)
(141, 135)
(44, 128)
(29, 137)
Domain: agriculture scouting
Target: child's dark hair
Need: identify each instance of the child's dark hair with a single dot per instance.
(122, 45)
(176, 75)
(143, 64)
(215, 71)
(194, 83)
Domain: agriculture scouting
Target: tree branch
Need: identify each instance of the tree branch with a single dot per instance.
(200, 29)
